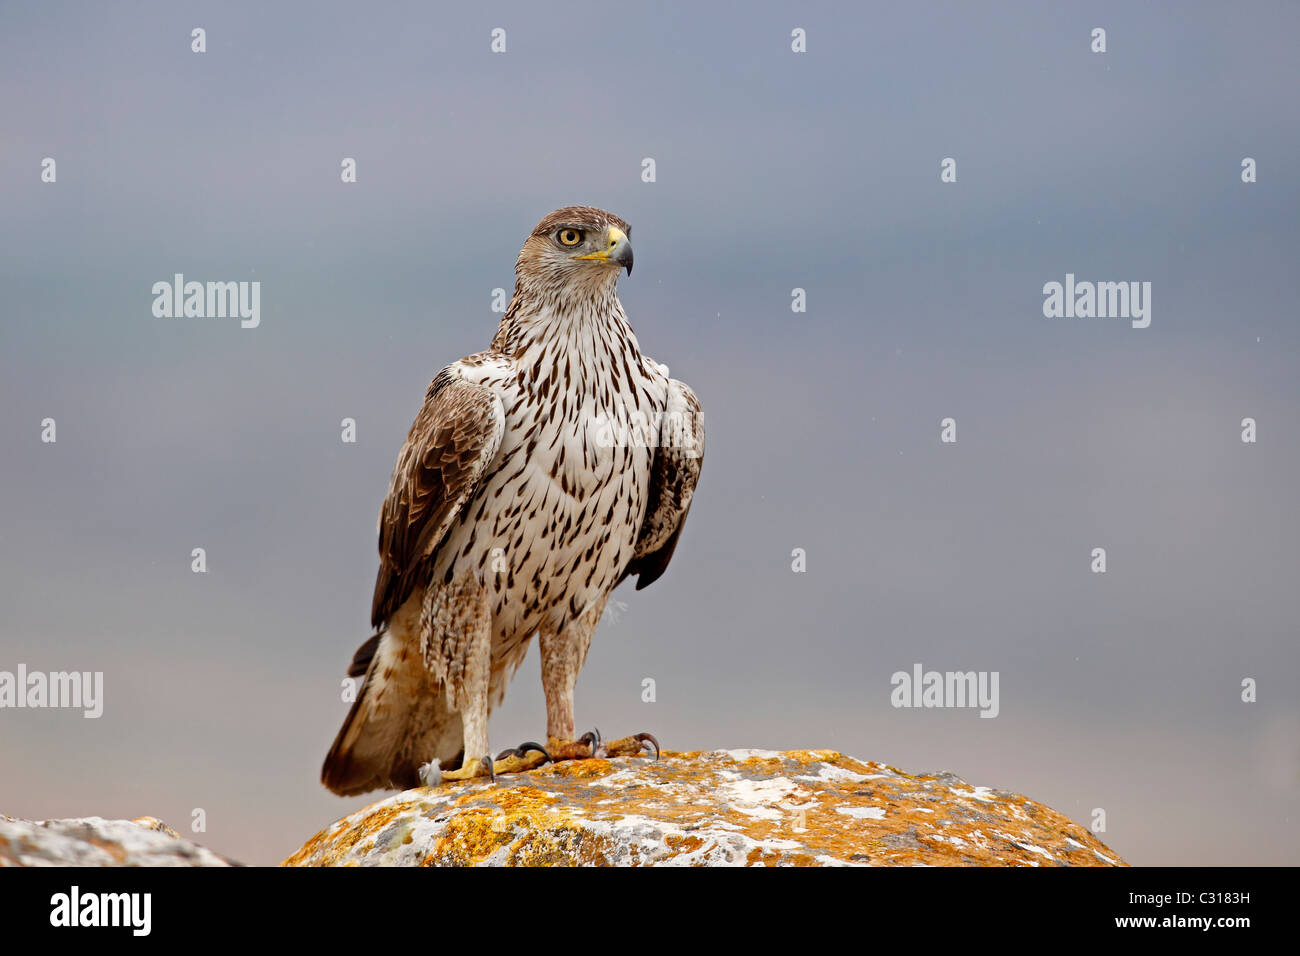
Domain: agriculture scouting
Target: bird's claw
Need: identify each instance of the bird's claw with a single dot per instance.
(526, 756)
(593, 745)
(469, 770)
(632, 746)
(584, 748)
(651, 740)
(523, 749)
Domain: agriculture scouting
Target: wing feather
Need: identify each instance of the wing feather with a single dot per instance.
(679, 456)
(450, 447)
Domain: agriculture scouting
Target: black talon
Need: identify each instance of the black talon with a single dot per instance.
(487, 762)
(592, 740)
(523, 749)
(530, 745)
(648, 739)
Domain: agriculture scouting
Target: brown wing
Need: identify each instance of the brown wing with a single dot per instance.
(679, 456)
(450, 446)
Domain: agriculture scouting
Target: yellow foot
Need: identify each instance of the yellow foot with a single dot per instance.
(630, 746)
(581, 749)
(590, 745)
(468, 771)
(526, 756)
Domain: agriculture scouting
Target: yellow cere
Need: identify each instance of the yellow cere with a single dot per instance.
(615, 235)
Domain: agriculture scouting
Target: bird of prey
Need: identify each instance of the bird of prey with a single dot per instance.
(537, 476)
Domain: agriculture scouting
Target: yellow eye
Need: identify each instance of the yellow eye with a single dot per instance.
(570, 237)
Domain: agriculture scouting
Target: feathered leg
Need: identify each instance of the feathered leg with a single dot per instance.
(456, 634)
(563, 654)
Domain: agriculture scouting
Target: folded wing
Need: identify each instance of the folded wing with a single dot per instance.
(679, 456)
(450, 447)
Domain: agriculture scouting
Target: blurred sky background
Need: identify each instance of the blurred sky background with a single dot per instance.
(774, 170)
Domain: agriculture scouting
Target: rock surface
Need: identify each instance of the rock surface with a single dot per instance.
(736, 808)
(94, 841)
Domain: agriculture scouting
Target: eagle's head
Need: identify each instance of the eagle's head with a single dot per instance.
(577, 249)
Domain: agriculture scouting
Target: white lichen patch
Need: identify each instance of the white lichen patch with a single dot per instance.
(619, 779)
(757, 792)
(977, 793)
(953, 840)
(1035, 849)
(862, 813)
(829, 773)
(740, 756)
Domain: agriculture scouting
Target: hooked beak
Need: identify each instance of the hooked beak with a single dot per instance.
(618, 250)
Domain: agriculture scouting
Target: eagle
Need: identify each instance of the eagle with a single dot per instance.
(537, 476)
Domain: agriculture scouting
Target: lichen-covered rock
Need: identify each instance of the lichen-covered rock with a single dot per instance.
(734, 807)
(94, 841)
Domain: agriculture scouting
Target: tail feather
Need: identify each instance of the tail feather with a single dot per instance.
(397, 723)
